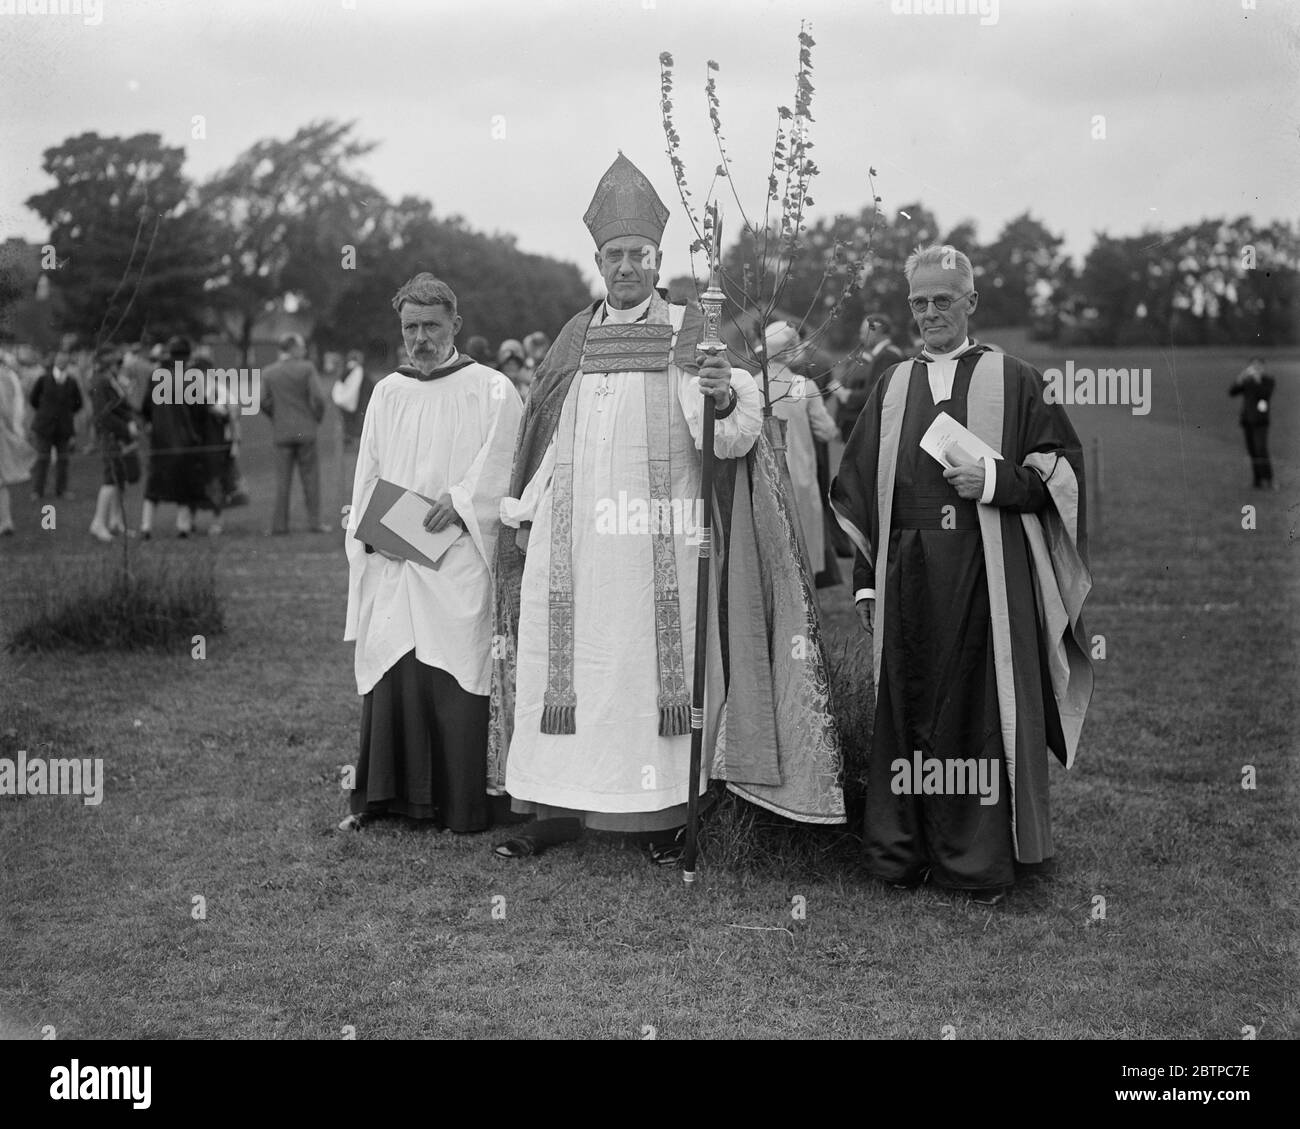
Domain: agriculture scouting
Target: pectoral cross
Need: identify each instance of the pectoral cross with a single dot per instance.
(605, 389)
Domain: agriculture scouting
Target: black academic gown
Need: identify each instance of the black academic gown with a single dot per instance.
(938, 692)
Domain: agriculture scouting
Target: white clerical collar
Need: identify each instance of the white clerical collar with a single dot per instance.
(622, 317)
(941, 369)
(931, 355)
(880, 347)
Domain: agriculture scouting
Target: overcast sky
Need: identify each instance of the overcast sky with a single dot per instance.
(978, 118)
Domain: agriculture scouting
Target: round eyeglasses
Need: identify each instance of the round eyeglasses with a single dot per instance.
(941, 303)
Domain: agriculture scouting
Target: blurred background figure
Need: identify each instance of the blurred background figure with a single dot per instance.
(876, 356)
(294, 401)
(478, 348)
(1255, 387)
(177, 473)
(536, 345)
(213, 425)
(136, 370)
(512, 361)
(16, 454)
(117, 433)
(56, 399)
(797, 400)
(351, 395)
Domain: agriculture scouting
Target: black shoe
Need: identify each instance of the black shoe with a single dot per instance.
(543, 834)
(667, 852)
(989, 896)
(911, 881)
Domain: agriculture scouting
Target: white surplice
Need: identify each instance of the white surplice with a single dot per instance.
(616, 761)
(798, 401)
(452, 435)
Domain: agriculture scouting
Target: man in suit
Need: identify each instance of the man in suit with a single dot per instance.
(878, 355)
(294, 401)
(1255, 387)
(351, 395)
(56, 398)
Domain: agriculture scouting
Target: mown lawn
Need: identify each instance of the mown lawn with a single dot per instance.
(222, 784)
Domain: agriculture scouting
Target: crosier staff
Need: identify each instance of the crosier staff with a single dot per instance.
(711, 344)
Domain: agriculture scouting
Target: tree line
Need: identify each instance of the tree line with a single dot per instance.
(140, 250)
(1217, 281)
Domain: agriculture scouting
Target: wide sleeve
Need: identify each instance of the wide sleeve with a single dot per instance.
(734, 435)
(363, 485)
(478, 495)
(518, 512)
(1045, 430)
(853, 490)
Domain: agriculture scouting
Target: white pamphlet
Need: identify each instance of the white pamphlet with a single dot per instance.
(406, 518)
(950, 444)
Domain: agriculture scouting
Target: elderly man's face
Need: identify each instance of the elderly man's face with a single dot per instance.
(942, 330)
(629, 264)
(428, 332)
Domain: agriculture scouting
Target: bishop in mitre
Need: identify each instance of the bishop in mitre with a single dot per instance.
(444, 427)
(605, 499)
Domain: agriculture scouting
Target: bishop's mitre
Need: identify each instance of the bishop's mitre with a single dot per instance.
(625, 204)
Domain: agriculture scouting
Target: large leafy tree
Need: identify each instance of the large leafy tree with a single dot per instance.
(296, 215)
(810, 293)
(1213, 281)
(502, 291)
(133, 253)
(1023, 276)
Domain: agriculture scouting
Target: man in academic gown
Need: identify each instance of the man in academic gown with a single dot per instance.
(605, 496)
(978, 573)
(444, 427)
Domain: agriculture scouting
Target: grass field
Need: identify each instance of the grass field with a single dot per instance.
(222, 784)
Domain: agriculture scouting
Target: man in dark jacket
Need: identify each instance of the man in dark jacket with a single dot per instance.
(294, 401)
(877, 356)
(1255, 387)
(56, 398)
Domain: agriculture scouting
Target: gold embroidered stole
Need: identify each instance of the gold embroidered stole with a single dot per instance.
(644, 347)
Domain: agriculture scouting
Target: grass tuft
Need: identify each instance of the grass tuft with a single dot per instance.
(95, 604)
